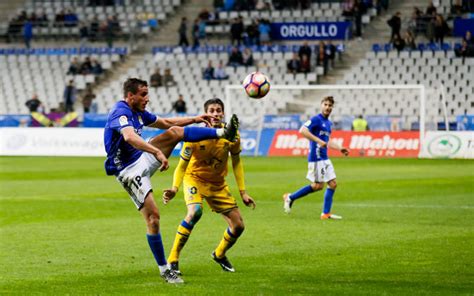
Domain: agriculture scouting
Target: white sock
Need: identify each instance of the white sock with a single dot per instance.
(220, 132)
(163, 268)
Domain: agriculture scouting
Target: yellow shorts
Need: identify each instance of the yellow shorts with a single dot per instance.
(218, 197)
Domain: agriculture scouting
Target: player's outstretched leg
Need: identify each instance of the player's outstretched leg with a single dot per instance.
(328, 197)
(168, 140)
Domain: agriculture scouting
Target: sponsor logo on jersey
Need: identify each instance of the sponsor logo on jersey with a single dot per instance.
(192, 190)
(123, 120)
(187, 152)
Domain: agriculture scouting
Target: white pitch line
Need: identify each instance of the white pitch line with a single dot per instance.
(363, 205)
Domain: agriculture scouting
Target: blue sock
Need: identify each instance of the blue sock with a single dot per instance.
(328, 200)
(196, 134)
(303, 191)
(156, 246)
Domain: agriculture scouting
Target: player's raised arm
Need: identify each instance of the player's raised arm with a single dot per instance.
(170, 193)
(166, 123)
(308, 135)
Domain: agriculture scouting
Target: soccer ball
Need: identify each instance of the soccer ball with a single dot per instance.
(256, 85)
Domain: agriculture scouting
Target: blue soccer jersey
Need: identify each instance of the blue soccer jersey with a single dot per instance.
(120, 154)
(319, 126)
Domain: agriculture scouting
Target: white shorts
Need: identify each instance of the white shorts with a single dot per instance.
(321, 171)
(135, 178)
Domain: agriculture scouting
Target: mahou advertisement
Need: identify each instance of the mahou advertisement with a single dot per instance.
(361, 144)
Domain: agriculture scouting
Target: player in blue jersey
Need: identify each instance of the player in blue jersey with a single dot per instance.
(133, 161)
(320, 169)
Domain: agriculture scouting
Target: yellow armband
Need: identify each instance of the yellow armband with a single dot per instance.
(238, 167)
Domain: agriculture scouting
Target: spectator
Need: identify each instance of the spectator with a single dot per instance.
(304, 65)
(168, 79)
(208, 72)
(195, 33)
(88, 101)
(253, 35)
(431, 9)
(59, 19)
(322, 57)
(395, 23)
(84, 34)
(293, 65)
(410, 40)
(331, 51)
(398, 43)
(96, 68)
(264, 31)
(360, 124)
(235, 58)
(247, 57)
(202, 31)
(94, 29)
(220, 73)
(34, 104)
(28, 33)
(69, 97)
(305, 50)
(469, 39)
(464, 51)
(358, 11)
(236, 31)
(70, 19)
(440, 29)
(74, 68)
(457, 8)
(183, 29)
(86, 66)
(156, 80)
(180, 105)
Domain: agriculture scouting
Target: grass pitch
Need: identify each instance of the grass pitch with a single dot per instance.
(66, 228)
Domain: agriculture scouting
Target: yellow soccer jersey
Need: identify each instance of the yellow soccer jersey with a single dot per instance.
(208, 159)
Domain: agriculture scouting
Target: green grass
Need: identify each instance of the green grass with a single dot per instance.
(66, 228)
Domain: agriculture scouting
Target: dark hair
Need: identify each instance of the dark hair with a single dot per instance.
(213, 101)
(132, 85)
(329, 99)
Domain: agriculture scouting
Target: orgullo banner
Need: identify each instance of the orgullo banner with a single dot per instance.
(448, 145)
(310, 31)
(361, 144)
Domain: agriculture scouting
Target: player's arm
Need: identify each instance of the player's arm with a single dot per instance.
(185, 156)
(166, 123)
(169, 194)
(337, 146)
(309, 135)
(238, 168)
(136, 141)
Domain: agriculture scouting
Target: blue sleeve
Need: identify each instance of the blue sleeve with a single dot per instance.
(312, 123)
(148, 118)
(120, 118)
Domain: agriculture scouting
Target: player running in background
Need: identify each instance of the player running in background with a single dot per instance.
(202, 169)
(133, 160)
(320, 169)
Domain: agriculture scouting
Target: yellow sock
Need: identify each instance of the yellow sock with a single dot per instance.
(226, 243)
(179, 241)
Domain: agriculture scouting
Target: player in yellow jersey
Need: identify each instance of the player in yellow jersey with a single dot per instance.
(202, 169)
